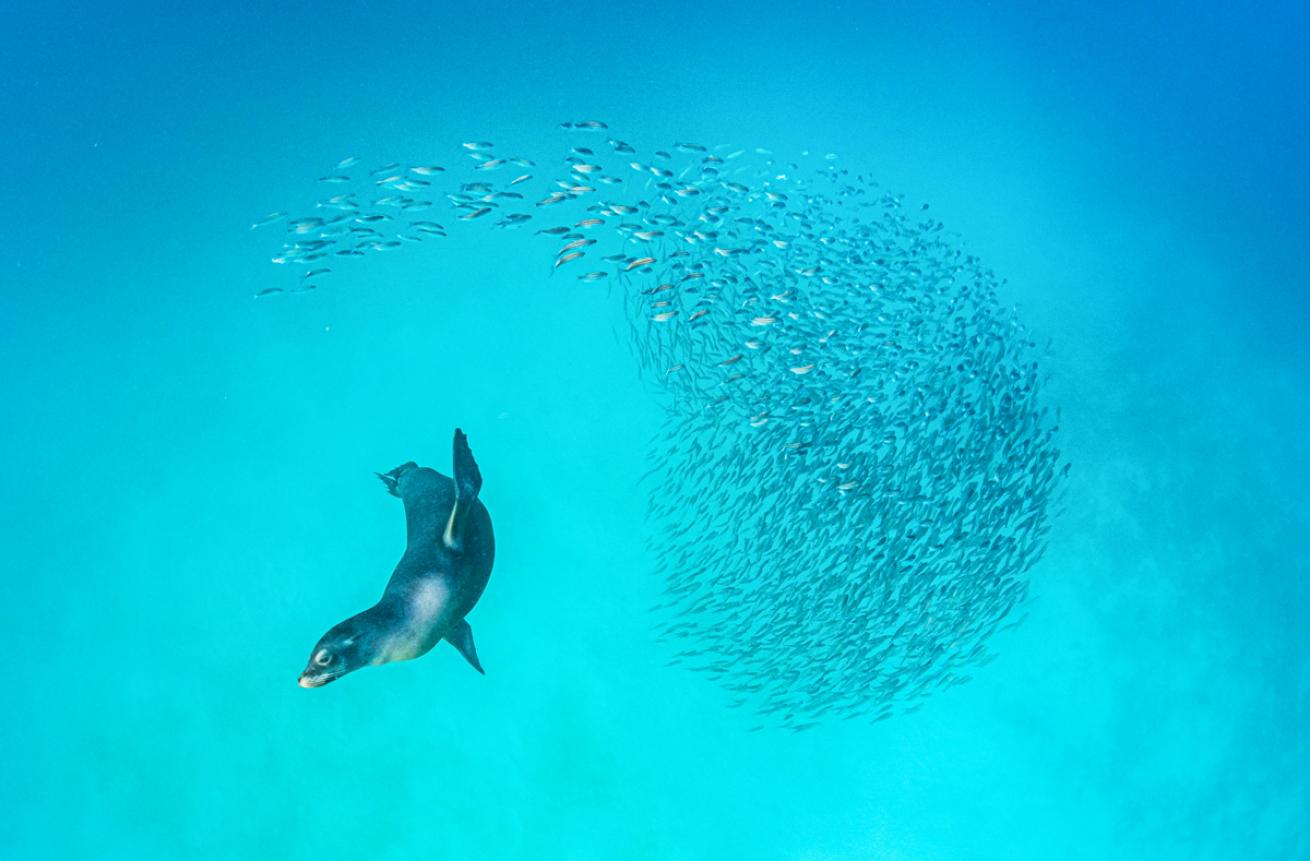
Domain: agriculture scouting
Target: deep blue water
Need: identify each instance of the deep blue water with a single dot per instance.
(189, 501)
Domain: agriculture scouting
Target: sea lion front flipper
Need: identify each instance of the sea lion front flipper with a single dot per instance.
(461, 637)
(468, 481)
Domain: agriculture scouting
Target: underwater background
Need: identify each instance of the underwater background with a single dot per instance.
(189, 498)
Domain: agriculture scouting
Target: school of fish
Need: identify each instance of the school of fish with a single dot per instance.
(856, 471)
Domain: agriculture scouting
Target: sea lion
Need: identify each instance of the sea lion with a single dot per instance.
(446, 564)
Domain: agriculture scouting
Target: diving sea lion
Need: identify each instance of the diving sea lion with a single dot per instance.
(447, 561)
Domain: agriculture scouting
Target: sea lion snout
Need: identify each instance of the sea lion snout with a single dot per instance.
(308, 679)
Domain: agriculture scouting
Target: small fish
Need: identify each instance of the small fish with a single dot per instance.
(334, 178)
(577, 243)
(572, 255)
(314, 272)
(348, 161)
(268, 219)
(268, 291)
(477, 213)
(427, 169)
(803, 369)
(664, 315)
(477, 146)
(593, 276)
(524, 178)
(638, 263)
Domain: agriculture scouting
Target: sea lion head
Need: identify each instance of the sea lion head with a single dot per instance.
(343, 649)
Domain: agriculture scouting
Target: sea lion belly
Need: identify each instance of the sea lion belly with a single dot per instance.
(423, 621)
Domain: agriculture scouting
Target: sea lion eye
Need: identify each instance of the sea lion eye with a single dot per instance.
(323, 658)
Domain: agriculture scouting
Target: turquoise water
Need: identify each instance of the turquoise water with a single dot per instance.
(190, 502)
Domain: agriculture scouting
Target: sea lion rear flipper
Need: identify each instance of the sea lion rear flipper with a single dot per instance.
(468, 481)
(461, 637)
(390, 479)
